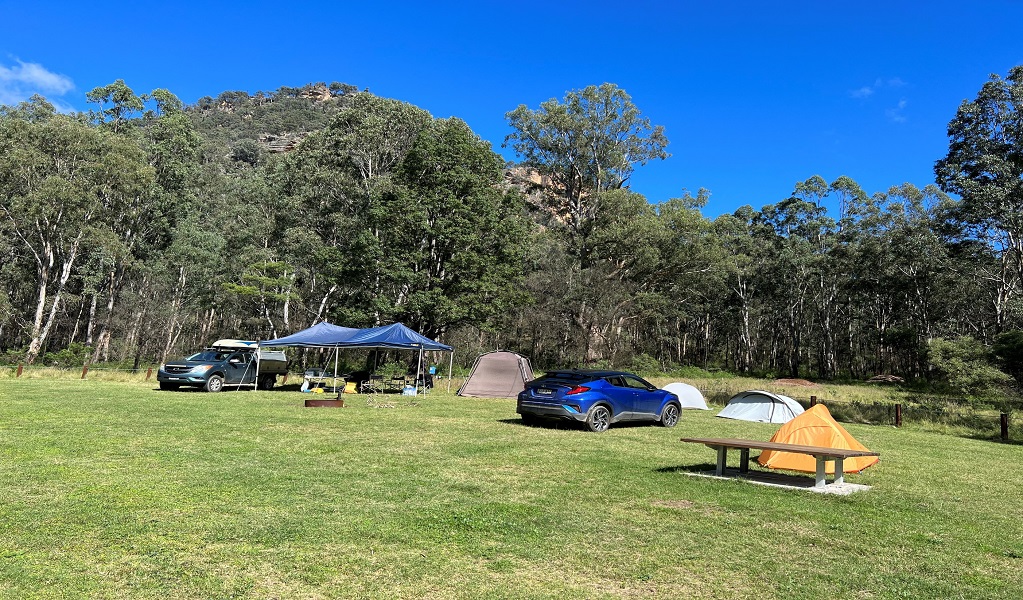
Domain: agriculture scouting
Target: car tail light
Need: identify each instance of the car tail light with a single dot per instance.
(577, 390)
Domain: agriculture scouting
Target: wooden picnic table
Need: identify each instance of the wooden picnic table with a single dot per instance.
(821, 453)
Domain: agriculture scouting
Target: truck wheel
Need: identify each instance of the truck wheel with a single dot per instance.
(267, 383)
(214, 384)
(168, 386)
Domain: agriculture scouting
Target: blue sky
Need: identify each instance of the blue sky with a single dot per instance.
(754, 96)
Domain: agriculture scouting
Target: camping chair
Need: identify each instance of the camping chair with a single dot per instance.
(396, 383)
(373, 385)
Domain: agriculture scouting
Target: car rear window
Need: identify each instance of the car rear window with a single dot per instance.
(564, 377)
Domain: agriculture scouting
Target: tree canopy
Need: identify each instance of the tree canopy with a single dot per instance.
(147, 228)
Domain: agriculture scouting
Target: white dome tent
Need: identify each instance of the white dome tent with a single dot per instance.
(765, 407)
(688, 396)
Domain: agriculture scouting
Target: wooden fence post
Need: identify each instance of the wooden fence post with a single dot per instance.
(149, 373)
(20, 367)
(813, 401)
(1005, 426)
(85, 370)
(898, 415)
(285, 379)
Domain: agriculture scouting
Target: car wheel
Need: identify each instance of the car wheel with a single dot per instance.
(670, 415)
(267, 383)
(528, 419)
(599, 418)
(214, 384)
(167, 386)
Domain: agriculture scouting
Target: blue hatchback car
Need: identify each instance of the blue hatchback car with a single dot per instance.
(597, 398)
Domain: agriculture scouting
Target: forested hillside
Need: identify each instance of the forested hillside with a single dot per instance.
(147, 228)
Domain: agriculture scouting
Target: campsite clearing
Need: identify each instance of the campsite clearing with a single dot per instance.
(113, 489)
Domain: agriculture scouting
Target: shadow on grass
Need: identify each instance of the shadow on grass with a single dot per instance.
(542, 423)
(757, 475)
(244, 388)
(697, 468)
(996, 439)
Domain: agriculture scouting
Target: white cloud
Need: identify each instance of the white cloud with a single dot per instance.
(895, 114)
(878, 85)
(19, 81)
(864, 92)
(885, 91)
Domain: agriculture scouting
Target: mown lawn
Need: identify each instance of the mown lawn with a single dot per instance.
(116, 490)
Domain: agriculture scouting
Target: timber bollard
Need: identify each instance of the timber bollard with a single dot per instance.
(898, 415)
(813, 401)
(149, 373)
(1005, 427)
(85, 371)
(20, 367)
(285, 379)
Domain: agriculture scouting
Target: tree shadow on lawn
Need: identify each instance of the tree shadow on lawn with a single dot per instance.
(995, 439)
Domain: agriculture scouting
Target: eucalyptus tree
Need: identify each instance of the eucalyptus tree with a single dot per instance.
(335, 182)
(141, 225)
(117, 102)
(587, 144)
(364, 144)
(922, 253)
(691, 279)
(803, 235)
(583, 148)
(621, 283)
(452, 235)
(745, 245)
(59, 179)
(984, 166)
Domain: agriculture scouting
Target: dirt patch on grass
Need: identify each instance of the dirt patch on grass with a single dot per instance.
(679, 504)
(799, 382)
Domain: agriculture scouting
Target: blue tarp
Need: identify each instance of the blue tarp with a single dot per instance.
(321, 335)
(326, 335)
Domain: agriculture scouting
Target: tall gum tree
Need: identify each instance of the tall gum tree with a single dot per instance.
(984, 166)
(58, 177)
(583, 148)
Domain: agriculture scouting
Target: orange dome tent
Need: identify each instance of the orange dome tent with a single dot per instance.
(815, 427)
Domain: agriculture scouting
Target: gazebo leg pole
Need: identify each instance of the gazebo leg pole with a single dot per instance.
(419, 373)
(451, 364)
(255, 384)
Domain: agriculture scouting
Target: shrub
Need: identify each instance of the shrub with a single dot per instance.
(72, 356)
(966, 366)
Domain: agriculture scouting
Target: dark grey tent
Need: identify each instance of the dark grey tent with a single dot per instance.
(497, 375)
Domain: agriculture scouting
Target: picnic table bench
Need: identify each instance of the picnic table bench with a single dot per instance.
(821, 453)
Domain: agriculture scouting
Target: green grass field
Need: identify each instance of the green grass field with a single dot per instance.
(111, 489)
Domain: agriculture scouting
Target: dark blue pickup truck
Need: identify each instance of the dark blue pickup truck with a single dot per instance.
(225, 363)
